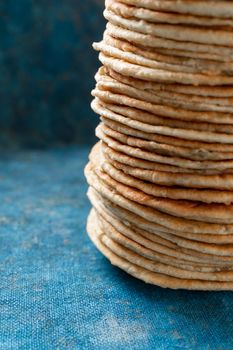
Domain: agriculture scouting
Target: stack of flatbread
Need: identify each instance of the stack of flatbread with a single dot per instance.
(161, 176)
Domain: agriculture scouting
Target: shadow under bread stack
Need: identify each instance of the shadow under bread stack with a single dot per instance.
(161, 177)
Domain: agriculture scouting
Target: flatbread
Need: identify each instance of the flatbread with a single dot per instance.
(195, 55)
(151, 214)
(161, 177)
(133, 220)
(161, 249)
(202, 195)
(219, 9)
(117, 156)
(159, 109)
(164, 149)
(147, 276)
(156, 266)
(117, 51)
(193, 210)
(148, 118)
(167, 178)
(156, 157)
(214, 175)
(123, 239)
(163, 43)
(184, 33)
(200, 150)
(151, 142)
(159, 75)
(193, 135)
(163, 242)
(189, 64)
(167, 98)
(165, 17)
(206, 91)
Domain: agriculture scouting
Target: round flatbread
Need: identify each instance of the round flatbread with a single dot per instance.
(193, 135)
(213, 212)
(152, 74)
(200, 195)
(164, 17)
(219, 9)
(148, 276)
(131, 135)
(135, 221)
(167, 98)
(200, 150)
(156, 157)
(126, 52)
(164, 242)
(162, 43)
(151, 214)
(174, 113)
(184, 33)
(161, 249)
(137, 168)
(206, 91)
(163, 149)
(122, 238)
(161, 177)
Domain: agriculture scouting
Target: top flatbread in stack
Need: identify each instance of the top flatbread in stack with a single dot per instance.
(161, 177)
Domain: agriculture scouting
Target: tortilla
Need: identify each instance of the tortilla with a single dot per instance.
(200, 150)
(147, 276)
(159, 75)
(165, 17)
(219, 9)
(207, 91)
(163, 43)
(156, 157)
(161, 176)
(167, 178)
(184, 101)
(193, 210)
(152, 62)
(163, 149)
(149, 229)
(166, 243)
(122, 235)
(196, 153)
(151, 214)
(184, 33)
(202, 195)
(158, 109)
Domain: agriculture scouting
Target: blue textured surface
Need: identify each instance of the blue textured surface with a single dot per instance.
(47, 66)
(58, 292)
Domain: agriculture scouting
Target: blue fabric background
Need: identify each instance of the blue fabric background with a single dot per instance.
(47, 67)
(56, 290)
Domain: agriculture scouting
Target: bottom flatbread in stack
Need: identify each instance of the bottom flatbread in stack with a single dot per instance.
(155, 243)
